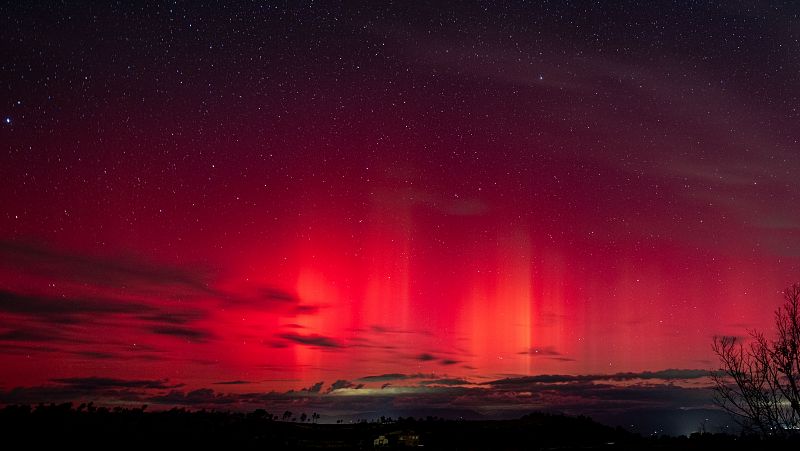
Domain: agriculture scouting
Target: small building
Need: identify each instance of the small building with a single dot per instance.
(380, 441)
(409, 439)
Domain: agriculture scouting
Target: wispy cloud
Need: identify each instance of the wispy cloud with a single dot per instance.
(541, 351)
(199, 397)
(138, 298)
(98, 383)
(38, 334)
(65, 309)
(389, 377)
(667, 375)
(312, 340)
(342, 383)
(314, 388)
(445, 381)
(117, 271)
(192, 334)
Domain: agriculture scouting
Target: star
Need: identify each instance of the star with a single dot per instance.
(7, 120)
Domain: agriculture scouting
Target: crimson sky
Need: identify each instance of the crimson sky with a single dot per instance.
(487, 208)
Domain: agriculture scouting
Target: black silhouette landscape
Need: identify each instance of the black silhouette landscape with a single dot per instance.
(262, 430)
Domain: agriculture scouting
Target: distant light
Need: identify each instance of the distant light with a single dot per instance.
(7, 120)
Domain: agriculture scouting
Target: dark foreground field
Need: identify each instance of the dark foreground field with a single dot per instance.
(88, 427)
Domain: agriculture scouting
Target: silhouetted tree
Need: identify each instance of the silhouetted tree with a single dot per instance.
(759, 382)
(287, 415)
(303, 417)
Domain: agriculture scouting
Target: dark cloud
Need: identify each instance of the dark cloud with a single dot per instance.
(16, 348)
(450, 362)
(306, 309)
(123, 290)
(314, 388)
(118, 271)
(97, 355)
(547, 352)
(541, 351)
(342, 383)
(126, 274)
(446, 381)
(199, 397)
(78, 317)
(278, 295)
(425, 357)
(182, 317)
(34, 334)
(97, 383)
(236, 382)
(363, 342)
(561, 359)
(669, 374)
(277, 344)
(394, 377)
(62, 393)
(312, 340)
(63, 309)
(25, 349)
(379, 329)
(272, 299)
(187, 333)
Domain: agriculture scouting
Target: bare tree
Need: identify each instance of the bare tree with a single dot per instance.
(759, 381)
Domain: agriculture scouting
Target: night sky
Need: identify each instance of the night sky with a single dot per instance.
(481, 210)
